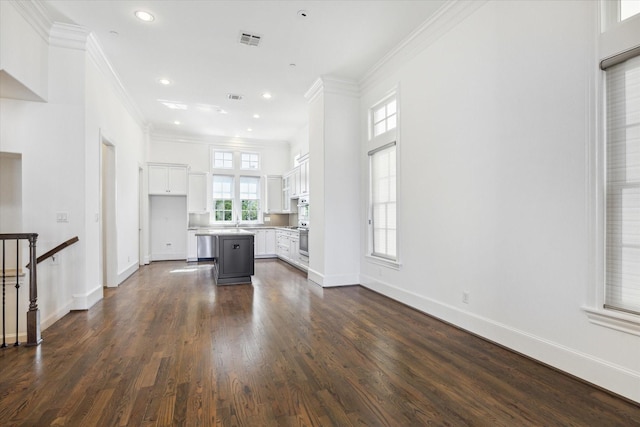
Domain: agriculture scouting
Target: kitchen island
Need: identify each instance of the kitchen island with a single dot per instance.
(231, 251)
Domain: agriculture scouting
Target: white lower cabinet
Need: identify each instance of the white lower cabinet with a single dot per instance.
(287, 248)
(265, 243)
(192, 245)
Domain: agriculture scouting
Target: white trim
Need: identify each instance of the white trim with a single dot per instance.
(99, 59)
(223, 142)
(68, 36)
(330, 281)
(36, 15)
(57, 315)
(607, 375)
(127, 272)
(396, 265)
(612, 319)
(332, 85)
(447, 17)
(88, 299)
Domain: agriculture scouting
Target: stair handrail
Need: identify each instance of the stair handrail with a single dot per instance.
(55, 250)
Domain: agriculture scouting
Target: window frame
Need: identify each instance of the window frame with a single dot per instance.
(376, 143)
(241, 199)
(615, 38)
(215, 199)
(257, 161)
(223, 152)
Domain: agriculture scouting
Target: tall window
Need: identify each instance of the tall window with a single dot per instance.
(622, 281)
(383, 203)
(382, 166)
(223, 159)
(223, 198)
(250, 197)
(629, 8)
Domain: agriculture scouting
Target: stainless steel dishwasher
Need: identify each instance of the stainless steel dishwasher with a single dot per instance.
(207, 248)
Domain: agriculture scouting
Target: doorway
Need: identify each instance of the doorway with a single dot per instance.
(108, 235)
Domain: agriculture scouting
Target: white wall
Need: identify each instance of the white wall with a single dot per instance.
(496, 119)
(24, 55)
(299, 145)
(59, 145)
(197, 152)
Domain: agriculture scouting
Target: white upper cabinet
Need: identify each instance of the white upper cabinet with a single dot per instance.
(169, 180)
(197, 197)
(274, 194)
(304, 176)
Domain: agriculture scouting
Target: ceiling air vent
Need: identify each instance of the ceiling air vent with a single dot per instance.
(234, 97)
(249, 39)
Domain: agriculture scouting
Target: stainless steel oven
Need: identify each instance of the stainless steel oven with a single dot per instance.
(303, 247)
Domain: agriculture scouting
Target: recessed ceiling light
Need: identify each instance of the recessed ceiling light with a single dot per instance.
(266, 95)
(177, 122)
(164, 82)
(144, 16)
(292, 65)
(113, 33)
(249, 130)
(256, 116)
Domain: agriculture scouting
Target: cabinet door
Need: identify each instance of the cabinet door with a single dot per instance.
(260, 243)
(177, 180)
(295, 182)
(270, 242)
(294, 249)
(158, 179)
(304, 177)
(197, 192)
(274, 194)
(192, 246)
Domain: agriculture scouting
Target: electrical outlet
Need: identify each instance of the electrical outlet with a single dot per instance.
(62, 216)
(465, 297)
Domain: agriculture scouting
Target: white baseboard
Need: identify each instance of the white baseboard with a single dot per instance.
(124, 275)
(87, 300)
(329, 281)
(604, 374)
(146, 260)
(53, 318)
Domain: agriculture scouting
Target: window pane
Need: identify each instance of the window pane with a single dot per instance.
(223, 159)
(383, 202)
(391, 122)
(391, 108)
(250, 161)
(379, 129)
(379, 114)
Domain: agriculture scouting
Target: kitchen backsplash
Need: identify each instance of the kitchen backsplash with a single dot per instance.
(276, 220)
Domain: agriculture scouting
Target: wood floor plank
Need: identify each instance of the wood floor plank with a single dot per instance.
(169, 348)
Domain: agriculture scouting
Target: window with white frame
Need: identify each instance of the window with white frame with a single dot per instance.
(223, 186)
(223, 159)
(249, 161)
(384, 117)
(250, 198)
(382, 162)
(382, 167)
(622, 258)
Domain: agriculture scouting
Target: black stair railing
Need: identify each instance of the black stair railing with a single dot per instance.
(33, 315)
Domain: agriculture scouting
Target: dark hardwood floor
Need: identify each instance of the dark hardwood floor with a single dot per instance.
(170, 348)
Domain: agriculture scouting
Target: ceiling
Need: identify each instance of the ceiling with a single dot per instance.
(195, 44)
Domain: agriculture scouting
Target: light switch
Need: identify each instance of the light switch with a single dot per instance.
(62, 217)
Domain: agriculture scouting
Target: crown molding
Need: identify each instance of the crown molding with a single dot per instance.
(333, 85)
(220, 141)
(68, 36)
(99, 59)
(36, 15)
(447, 17)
